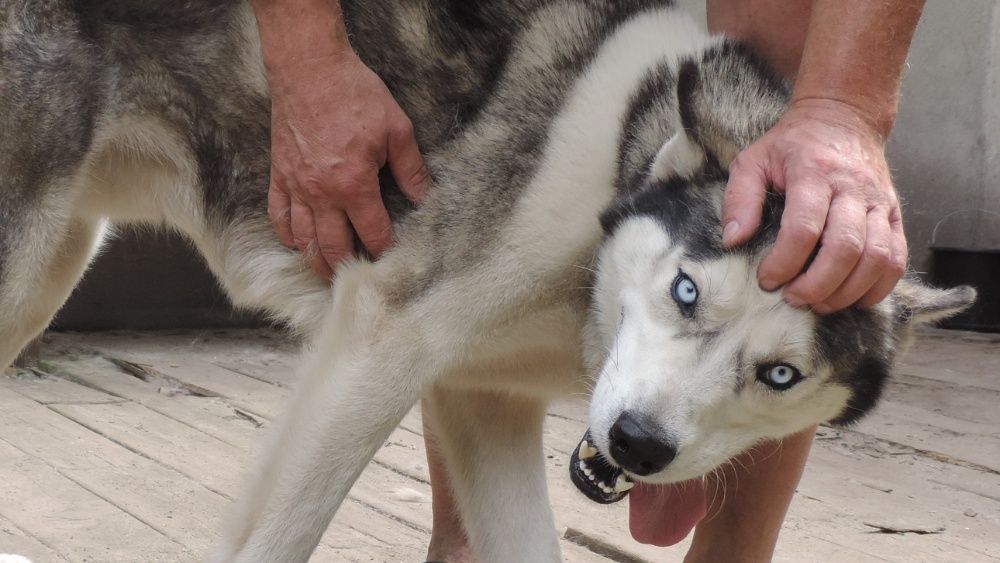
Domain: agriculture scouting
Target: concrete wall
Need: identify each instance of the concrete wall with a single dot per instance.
(945, 148)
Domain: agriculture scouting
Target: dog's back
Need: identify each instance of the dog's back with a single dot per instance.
(158, 113)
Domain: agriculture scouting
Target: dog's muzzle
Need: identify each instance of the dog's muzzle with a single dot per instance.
(600, 481)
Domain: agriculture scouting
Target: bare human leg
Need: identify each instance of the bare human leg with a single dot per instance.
(448, 539)
(756, 498)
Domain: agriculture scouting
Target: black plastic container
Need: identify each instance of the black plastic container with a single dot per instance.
(981, 270)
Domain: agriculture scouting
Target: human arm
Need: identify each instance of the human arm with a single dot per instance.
(827, 155)
(746, 526)
(334, 124)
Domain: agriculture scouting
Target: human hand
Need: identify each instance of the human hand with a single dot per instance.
(830, 164)
(334, 124)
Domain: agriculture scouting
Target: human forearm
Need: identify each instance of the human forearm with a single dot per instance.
(294, 32)
(854, 54)
(334, 125)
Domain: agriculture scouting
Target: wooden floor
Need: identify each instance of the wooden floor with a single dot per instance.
(129, 447)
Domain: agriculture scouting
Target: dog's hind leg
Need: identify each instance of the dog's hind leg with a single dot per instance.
(362, 376)
(38, 275)
(493, 448)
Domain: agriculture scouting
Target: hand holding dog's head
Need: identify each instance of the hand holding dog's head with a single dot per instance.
(684, 341)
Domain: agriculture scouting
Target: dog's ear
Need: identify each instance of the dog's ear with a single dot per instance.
(916, 303)
(680, 156)
(728, 98)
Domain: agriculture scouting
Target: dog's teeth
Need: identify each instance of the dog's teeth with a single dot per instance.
(588, 472)
(604, 487)
(591, 476)
(587, 451)
(623, 484)
(582, 466)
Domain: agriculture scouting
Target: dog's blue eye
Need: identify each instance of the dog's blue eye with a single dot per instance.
(684, 292)
(779, 377)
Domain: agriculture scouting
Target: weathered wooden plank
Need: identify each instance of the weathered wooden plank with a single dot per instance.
(211, 415)
(16, 541)
(268, 355)
(825, 530)
(45, 389)
(961, 402)
(221, 467)
(924, 430)
(214, 416)
(72, 520)
(956, 357)
(834, 503)
(177, 506)
(270, 367)
(171, 503)
(210, 461)
(258, 397)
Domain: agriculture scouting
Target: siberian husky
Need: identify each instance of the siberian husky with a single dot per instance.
(579, 151)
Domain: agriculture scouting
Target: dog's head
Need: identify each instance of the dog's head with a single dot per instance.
(694, 362)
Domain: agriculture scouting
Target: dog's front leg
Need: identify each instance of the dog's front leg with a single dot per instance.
(492, 445)
(356, 386)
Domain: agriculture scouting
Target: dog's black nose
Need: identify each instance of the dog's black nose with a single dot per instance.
(639, 445)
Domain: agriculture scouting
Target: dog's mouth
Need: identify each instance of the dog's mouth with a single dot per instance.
(600, 481)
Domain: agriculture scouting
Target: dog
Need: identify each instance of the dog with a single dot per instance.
(579, 151)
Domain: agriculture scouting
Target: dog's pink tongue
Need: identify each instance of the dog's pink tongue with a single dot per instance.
(664, 515)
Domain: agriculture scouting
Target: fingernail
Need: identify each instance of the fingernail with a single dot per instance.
(768, 284)
(729, 232)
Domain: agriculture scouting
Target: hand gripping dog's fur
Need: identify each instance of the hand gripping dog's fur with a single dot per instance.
(537, 117)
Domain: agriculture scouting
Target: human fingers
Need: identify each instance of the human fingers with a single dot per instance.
(279, 211)
(843, 241)
(357, 199)
(405, 161)
(870, 267)
(744, 197)
(304, 236)
(807, 203)
(371, 221)
(896, 267)
(334, 239)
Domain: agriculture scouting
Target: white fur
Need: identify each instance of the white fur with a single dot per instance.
(576, 179)
(686, 382)
(680, 156)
